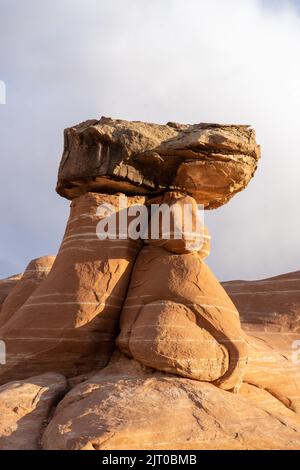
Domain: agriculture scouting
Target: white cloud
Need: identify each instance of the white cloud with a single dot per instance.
(190, 61)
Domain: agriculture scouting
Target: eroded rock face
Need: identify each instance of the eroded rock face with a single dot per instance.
(262, 398)
(36, 271)
(210, 162)
(271, 305)
(271, 369)
(269, 311)
(70, 322)
(177, 317)
(128, 406)
(24, 410)
(181, 321)
(175, 224)
(6, 285)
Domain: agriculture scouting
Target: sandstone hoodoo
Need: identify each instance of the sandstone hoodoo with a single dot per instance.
(151, 343)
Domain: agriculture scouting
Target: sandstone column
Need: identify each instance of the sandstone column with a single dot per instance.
(70, 322)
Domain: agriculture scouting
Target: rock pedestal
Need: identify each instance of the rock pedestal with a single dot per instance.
(150, 341)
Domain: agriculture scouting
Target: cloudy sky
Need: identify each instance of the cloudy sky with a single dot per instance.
(191, 61)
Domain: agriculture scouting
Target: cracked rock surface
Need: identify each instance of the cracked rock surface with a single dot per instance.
(210, 162)
(128, 406)
(25, 406)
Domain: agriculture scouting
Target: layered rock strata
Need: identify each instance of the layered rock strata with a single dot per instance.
(36, 271)
(6, 285)
(270, 310)
(70, 322)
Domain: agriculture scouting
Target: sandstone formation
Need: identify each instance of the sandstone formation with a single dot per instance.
(36, 271)
(269, 305)
(177, 318)
(6, 285)
(270, 310)
(70, 322)
(25, 407)
(271, 370)
(184, 374)
(127, 406)
(210, 162)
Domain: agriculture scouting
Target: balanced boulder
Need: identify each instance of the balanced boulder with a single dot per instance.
(210, 162)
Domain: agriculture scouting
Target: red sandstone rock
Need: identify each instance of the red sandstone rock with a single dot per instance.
(176, 225)
(178, 318)
(24, 410)
(270, 369)
(271, 305)
(70, 322)
(270, 311)
(261, 398)
(6, 285)
(36, 271)
(127, 406)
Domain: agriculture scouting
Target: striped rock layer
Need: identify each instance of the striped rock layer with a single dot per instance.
(270, 312)
(36, 271)
(210, 162)
(270, 305)
(70, 322)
